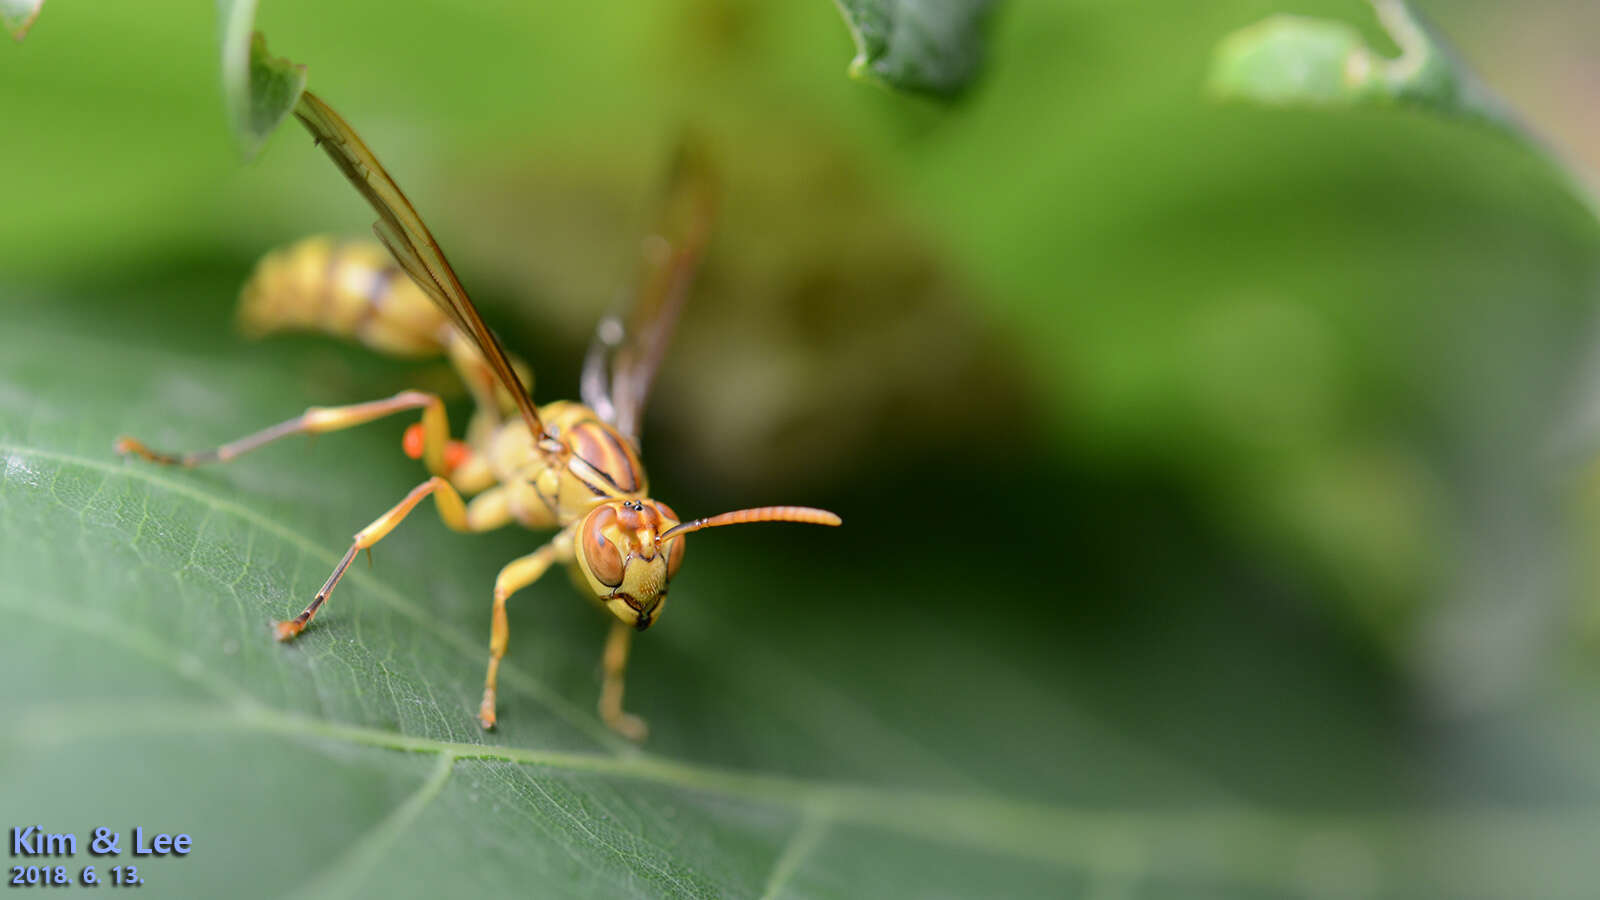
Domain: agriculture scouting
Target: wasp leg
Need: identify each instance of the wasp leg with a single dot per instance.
(518, 574)
(318, 420)
(615, 661)
(485, 514)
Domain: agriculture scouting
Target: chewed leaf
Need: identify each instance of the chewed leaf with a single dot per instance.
(17, 16)
(258, 89)
(1286, 60)
(924, 46)
(1291, 59)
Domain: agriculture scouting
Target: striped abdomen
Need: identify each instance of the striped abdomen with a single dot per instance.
(351, 289)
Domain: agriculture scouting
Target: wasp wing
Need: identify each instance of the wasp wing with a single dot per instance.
(670, 254)
(413, 246)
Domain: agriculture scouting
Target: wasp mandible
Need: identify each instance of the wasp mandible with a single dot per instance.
(573, 467)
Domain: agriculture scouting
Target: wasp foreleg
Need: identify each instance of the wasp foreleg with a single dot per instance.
(319, 420)
(615, 662)
(484, 514)
(518, 574)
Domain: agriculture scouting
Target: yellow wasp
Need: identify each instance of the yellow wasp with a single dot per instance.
(569, 466)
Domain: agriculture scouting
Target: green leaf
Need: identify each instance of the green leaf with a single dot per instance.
(924, 46)
(1287, 59)
(349, 763)
(259, 90)
(17, 16)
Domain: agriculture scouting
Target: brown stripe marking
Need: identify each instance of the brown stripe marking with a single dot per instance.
(596, 445)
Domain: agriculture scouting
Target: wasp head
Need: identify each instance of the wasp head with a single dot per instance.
(627, 550)
(624, 560)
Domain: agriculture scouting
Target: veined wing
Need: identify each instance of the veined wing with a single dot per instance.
(625, 354)
(413, 246)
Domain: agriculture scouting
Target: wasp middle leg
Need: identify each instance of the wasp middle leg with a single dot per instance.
(488, 511)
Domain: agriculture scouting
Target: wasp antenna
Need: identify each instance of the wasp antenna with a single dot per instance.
(804, 514)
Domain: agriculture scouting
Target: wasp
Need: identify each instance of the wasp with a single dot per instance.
(569, 466)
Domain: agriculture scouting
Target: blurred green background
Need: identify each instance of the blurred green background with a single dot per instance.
(1214, 477)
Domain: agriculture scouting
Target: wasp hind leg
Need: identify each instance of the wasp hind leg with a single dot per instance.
(485, 513)
(319, 420)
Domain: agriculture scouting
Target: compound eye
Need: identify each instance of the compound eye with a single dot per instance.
(674, 556)
(674, 546)
(601, 556)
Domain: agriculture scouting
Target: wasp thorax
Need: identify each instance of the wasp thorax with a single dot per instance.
(623, 560)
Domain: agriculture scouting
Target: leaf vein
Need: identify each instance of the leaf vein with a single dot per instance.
(807, 835)
(344, 875)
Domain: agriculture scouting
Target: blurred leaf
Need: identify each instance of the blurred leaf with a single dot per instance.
(259, 90)
(1222, 329)
(1289, 59)
(17, 16)
(928, 46)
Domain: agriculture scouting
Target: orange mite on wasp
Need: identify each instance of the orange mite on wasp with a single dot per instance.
(569, 466)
